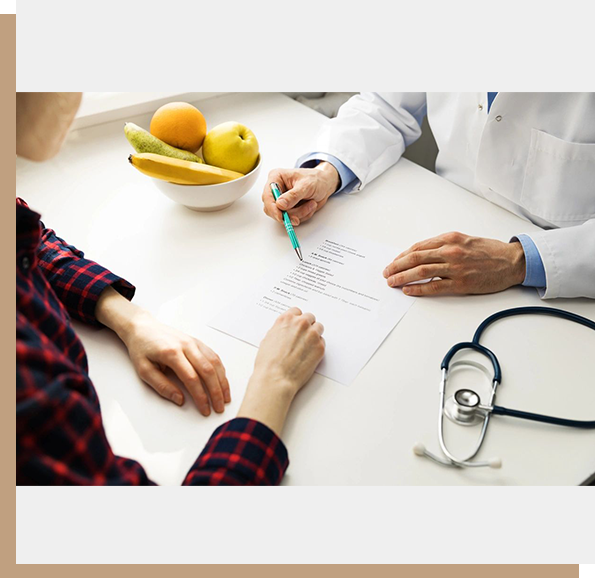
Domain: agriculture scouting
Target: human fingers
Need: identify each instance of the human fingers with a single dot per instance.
(294, 311)
(315, 345)
(302, 212)
(209, 380)
(314, 331)
(152, 376)
(417, 274)
(196, 363)
(281, 177)
(309, 350)
(292, 197)
(437, 287)
(269, 204)
(412, 260)
(188, 375)
(215, 360)
(309, 317)
(433, 243)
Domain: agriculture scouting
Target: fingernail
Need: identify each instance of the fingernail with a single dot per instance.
(406, 290)
(282, 204)
(206, 412)
(295, 221)
(385, 273)
(177, 398)
(392, 281)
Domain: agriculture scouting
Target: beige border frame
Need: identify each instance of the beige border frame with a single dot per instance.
(8, 228)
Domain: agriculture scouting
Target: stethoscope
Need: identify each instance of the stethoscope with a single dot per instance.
(465, 408)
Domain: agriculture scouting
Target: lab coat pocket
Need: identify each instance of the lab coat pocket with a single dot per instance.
(559, 184)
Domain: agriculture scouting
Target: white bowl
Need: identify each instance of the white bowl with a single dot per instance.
(209, 197)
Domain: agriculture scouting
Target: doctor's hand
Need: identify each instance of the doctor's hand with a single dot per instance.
(462, 264)
(286, 360)
(156, 349)
(305, 191)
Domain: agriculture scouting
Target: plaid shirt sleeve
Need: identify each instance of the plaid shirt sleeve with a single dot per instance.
(78, 282)
(240, 452)
(61, 440)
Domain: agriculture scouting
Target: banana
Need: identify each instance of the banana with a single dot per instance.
(144, 142)
(180, 172)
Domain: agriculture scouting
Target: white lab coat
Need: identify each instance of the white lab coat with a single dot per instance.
(533, 154)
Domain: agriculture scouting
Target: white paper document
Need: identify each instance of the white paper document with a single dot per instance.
(340, 281)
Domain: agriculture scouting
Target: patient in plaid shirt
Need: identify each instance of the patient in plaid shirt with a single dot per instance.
(60, 434)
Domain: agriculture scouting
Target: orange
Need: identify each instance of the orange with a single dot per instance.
(180, 125)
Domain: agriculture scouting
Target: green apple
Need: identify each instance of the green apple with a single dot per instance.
(231, 146)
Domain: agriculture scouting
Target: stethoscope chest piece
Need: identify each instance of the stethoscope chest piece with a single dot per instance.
(464, 408)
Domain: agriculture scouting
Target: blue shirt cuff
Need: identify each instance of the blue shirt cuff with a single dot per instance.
(534, 269)
(346, 175)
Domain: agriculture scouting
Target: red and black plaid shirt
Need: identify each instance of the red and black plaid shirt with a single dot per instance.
(60, 435)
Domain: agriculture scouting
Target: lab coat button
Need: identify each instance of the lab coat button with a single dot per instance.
(480, 107)
(498, 118)
(25, 263)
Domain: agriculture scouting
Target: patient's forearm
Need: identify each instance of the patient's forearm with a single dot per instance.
(267, 403)
(116, 312)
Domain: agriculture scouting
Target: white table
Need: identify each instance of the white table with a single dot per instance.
(187, 265)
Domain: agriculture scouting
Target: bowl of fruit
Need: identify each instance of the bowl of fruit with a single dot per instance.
(204, 171)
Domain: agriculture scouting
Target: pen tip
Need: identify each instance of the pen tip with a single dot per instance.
(299, 253)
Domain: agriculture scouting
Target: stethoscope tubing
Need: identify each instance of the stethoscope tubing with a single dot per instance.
(499, 410)
(493, 409)
(476, 347)
(531, 311)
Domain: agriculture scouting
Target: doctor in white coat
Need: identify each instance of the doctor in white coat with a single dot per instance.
(531, 153)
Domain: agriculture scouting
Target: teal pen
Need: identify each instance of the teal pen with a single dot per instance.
(288, 226)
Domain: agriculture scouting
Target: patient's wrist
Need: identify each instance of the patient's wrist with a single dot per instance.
(272, 384)
(116, 312)
(267, 401)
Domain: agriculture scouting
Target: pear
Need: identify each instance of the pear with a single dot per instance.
(144, 142)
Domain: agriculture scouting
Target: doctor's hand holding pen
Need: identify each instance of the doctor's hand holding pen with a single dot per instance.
(305, 191)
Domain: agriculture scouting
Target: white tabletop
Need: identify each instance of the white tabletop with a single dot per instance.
(187, 265)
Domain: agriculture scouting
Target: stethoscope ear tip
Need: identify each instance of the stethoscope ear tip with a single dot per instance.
(419, 449)
(495, 463)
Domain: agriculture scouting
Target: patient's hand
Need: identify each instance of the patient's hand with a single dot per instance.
(286, 360)
(463, 264)
(154, 348)
(290, 351)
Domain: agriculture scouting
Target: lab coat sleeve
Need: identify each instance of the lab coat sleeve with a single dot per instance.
(568, 255)
(371, 132)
